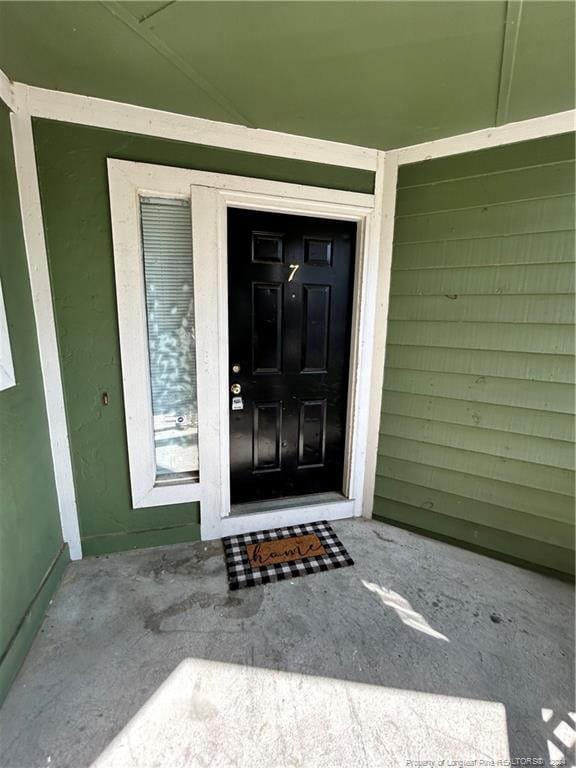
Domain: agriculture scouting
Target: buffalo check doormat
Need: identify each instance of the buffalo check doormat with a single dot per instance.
(283, 553)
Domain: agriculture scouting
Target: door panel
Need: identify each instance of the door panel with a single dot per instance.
(290, 287)
(267, 436)
(312, 437)
(316, 327)
(267, 325)
(267, 247)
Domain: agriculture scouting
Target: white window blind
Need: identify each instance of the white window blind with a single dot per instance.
(169, 279)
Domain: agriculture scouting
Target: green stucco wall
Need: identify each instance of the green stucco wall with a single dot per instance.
(74, 188)
(477, 427)
(31, 552)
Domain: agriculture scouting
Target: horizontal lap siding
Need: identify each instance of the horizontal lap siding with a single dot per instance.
(477, 428)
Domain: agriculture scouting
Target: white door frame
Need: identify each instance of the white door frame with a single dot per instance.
(211, 194)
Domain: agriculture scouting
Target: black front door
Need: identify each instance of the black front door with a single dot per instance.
(290, 285)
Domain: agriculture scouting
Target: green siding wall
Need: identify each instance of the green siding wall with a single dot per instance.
(31, 553)
(74, 189)
(477, 428)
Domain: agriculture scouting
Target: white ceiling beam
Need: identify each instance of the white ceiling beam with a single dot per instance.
(101, 113)
(118, 116)
(534, 128)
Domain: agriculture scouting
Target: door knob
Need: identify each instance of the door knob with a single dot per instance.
(235, 389)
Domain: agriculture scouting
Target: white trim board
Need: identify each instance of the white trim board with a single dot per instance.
(234, 525)
(102, 113)
(7, 92)
(156, 178)
(113, 115)
(486, 138)
(210, 195)
(33, 228)
(7, 378)
(386, 182)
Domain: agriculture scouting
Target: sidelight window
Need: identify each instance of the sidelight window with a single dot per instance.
(167, 321)
(169, 286)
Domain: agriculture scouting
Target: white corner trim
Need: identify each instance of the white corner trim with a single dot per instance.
(102, 113)
(7, 378)
(33, 228)
(510, 133)
(7, 93)
(385, 206)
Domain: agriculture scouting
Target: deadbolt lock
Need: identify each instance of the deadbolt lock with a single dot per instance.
(235, 368)
(235, 389)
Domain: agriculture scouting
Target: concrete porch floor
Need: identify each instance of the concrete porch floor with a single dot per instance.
(420, 652)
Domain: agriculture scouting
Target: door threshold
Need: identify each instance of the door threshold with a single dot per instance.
(286, 502)
(278, 513)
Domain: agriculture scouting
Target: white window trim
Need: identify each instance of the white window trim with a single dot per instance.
(7, 377)
(132, 322)
(210, 195)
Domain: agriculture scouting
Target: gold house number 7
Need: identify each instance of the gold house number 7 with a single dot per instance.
(294, 268)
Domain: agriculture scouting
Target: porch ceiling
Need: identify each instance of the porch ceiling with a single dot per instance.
(382, 74)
